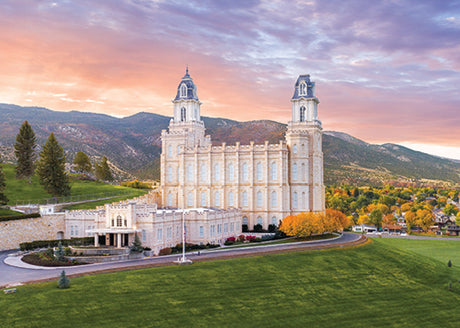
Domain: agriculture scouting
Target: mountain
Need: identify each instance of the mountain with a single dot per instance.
(133, 145)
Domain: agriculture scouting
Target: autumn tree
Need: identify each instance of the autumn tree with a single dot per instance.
(410, 218)
(24, 150)
(424, 219)
(51, 168)
(3, 198)
(102, 170)
(82, 162)
(375, 217)
(450, 209)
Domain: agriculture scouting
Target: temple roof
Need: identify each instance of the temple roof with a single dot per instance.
(191, 88)
(304, 79)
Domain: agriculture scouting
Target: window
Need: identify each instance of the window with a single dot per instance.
(170, 199)
(259, 198)
(216, 173)
(294, 171)
(190, 172)
(203, 199)
(232, 226)
(203, 172)
(274, 221)
(76, 230)
(189, 199)
(259, 171)
(294, 149)
(183, 90)
(245, 198)
(245, 172)
(274, 199)
(230, 172)
(245, 220)
(219, 228)
(144, 236)
(304, 200)
(119, 221)
(212, 230)
(201, 231)
(302, 89)
(231, 201)
(259, 220)
(183, 114)
(169, 233)
(274, 171)
(170, 173)
(159, 233)
(217, 199)
(71, 230)
(169, 151)
(294, 200)
(178, 150)
(125, 222)
(225, 227)
(302, 114)
(113, 223)
(302, 172)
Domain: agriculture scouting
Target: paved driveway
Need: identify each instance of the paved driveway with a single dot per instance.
(12, 275)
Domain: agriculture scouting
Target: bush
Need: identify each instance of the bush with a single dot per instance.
(136, 184)
(230, 241)
(84, 241)
(250, 238)
(258, 228)
(241, 238)
(147, 249)
(63, 281)
(245, 228)
(165, 251)
(271, 228)
(19, 217)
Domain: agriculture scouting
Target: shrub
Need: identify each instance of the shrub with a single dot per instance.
(258, 228)
(59, 253)
(241, 238)
(245, 228)
(136, 246)
(147, 249)
(230, 241)
(165, 251)
(136, 184)
(255, 239)
(54, 243)
(449, 264)
(63, 281)
(271, 228)
(250, 238)
(19, 217)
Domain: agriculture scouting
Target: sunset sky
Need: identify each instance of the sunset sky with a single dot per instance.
(385, 71)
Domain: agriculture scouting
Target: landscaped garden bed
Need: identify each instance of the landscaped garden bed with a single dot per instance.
(47, 259)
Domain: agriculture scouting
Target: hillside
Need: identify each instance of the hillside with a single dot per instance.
(133, 145)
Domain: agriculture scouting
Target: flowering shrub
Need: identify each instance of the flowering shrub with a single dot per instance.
(241, 238)
(250, 238)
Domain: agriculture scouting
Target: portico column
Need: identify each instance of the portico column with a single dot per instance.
(96, 239)
(118, 240)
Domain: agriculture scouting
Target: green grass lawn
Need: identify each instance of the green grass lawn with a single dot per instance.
(20, 190)
(7, 212)
(375, 285)
(442, 250)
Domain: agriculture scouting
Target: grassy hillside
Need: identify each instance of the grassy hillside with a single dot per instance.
(19, 191)
(371, 286)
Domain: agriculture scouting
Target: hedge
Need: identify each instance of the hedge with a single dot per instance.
(54, 243)
(19, 217)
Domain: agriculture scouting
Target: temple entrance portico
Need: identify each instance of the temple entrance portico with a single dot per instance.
(113, 237)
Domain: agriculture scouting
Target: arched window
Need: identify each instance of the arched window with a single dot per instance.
(302, 89)
(274, 199)
(203, 172)
(259, 171)
(231, 201)
(183, 90)
(189, 199)
(170, 200)
(169, 151)
(304, 200)
(295, 201)
(183, 114)
(259, 220)
(119, 221)
(274, 221)
(303, 172)
(178, 149)
(274, 171)
(203, 199)
(259, 198)
(230, 172)
(294, 171)
(245, 220)
(216, 173)
(245, 172)
(217, 199)
(170, 174)
(302, 114)
(190, 172)
(294, 149)
(245, 198)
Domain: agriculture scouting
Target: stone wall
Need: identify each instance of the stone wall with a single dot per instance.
(14, 232)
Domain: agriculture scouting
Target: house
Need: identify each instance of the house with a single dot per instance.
(364, 228)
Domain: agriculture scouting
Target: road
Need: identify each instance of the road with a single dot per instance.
(12, 275)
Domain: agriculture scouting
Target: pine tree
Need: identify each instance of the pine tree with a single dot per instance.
(136, 246)
(3, 198)
(102, 170)
(63, 281)
(59, 253)
(24, 150)
(82, 162)
(51, 168)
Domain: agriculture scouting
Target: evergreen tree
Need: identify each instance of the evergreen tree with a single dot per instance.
(82, 162)
(24, 150)
(63, 281)
(51, 168)
(59, 253)
(3, 198)
(136, 246)
(102, 170)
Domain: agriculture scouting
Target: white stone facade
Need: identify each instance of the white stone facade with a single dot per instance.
(266, 181)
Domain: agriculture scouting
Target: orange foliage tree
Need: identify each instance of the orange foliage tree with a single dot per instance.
(307, 224)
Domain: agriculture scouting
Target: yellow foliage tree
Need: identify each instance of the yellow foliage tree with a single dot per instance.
(406, 207)
(363, 219)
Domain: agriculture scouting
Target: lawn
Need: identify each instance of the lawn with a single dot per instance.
(375, 285)
(19, 191)
(442, 250)
(7, 212)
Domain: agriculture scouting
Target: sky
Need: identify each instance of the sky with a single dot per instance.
(385, 71)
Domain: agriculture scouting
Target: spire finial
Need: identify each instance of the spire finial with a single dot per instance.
(186, 69)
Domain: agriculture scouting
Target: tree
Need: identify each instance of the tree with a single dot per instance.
(450, 209)
(51, 168)
(63, 281)
(375, 217)
(24, 150)
(410, 218)
(102, 170)
(3, 198)
(59, 253)
(136, 246)
(82, 162)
